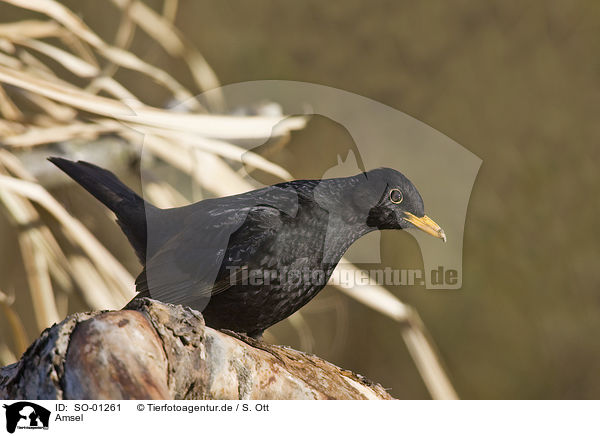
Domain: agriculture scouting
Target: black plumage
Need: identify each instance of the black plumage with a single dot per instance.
(248, 261)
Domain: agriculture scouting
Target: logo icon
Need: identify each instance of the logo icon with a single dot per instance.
(26, 415)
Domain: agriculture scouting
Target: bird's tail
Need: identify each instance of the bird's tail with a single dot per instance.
(129, 207)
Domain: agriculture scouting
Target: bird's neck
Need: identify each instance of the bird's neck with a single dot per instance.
(340, 235)
(336, 196)
(345, 223)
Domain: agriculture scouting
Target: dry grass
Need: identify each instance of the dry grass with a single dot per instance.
(39, 107)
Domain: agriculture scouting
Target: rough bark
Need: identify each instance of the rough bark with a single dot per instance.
(152, 350)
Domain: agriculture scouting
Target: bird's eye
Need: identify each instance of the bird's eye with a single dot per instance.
(396, 196)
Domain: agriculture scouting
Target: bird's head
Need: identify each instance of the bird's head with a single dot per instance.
(392, 202)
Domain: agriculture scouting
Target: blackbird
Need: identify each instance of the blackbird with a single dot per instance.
(250, 260)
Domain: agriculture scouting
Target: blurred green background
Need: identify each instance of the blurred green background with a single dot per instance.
(516, 83)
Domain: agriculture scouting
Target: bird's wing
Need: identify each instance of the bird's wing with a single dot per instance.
(190, 267)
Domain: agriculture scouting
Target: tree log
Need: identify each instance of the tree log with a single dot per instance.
(152, 350)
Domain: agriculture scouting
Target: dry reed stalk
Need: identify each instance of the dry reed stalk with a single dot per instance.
(30, 29)
(169, 11)
(118, 56)
(163, 32)
(418, 342)
(9, 110)
(44, 135)
(10, 62)
(73, 63)
(97, 293)
(34, 261)
(19, 335)
(219, 148)
(163, 195)
(216, 176)
(208, 126)
(6, 355)
(112, 271)
(40, 286)
(114, 88)
(60, 113)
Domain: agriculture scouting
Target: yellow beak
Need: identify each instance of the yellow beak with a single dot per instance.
(426, 224)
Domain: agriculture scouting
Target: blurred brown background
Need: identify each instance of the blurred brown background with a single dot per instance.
(518, 84)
